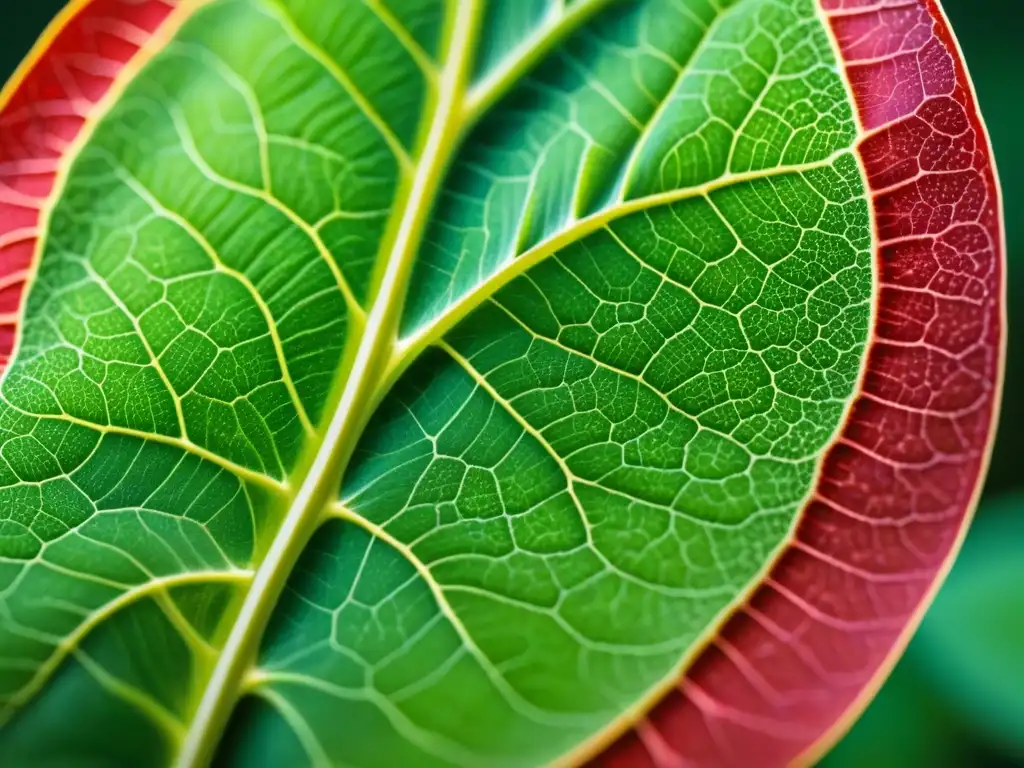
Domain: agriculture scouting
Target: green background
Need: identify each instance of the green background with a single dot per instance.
(956, 700)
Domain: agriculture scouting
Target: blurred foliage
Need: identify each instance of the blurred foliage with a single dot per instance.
(956, 700)
(971, 644)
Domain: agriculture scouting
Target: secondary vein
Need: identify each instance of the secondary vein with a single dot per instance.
(409, 348)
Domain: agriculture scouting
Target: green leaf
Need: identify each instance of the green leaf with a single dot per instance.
(421, 382)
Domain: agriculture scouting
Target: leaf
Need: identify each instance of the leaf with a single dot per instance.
(483, 383)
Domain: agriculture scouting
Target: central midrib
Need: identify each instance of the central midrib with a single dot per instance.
(319, 483)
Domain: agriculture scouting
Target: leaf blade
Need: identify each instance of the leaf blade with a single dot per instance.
(528, 288)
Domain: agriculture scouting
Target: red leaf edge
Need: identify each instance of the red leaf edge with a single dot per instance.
(789, 673)
(44, 110)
